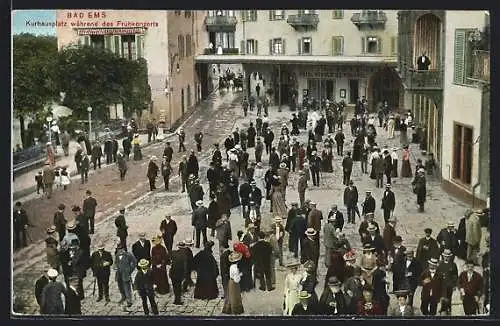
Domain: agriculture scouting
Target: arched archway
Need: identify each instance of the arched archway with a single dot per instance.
(427, 39)
(384, 85)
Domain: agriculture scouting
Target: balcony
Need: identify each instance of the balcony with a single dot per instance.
(303, 21)
(424, 79)
(481, 66)
(220, 23)
(373, 19)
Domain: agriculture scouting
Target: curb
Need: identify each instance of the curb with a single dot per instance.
(28, 191)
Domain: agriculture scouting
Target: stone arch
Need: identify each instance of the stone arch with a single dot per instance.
(427, 38)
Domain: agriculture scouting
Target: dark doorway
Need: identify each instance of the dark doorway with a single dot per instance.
(211, 39)
(330, 89)
(182, 101)
(353, 90)
(385, 86)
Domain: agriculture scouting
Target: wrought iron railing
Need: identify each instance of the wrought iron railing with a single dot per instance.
(220, 21)
(369, 17)
(29, 154)
(424, 79)
(303, 20)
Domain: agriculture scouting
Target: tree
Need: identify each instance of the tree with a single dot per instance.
(33, 79)
(96, 77)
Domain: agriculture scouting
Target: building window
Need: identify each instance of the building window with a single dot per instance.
(338, 45)
(180, 45)
(463, 57)
(305, 45)
(178, 12)
(187, 13)
(338, 14)
(371, 44)
(129, 49)
(251, 47)
(462, 153)
(188, 45)
(229, 13)
(306, 12)
(277, 46)
(249, 15)
(276, 14)
(188, 96)
(226, 40)
(97, 41)
(394, 45)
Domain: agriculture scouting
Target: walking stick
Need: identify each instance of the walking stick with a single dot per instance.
(93, 291)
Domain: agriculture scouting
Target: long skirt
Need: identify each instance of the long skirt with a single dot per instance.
(137, 153)
(160, 278)
(356, 154)
(206, 289)
(394, 172)
(406, 169)
(403, 137)
(233, 305)
(246, 283)
(373, 175)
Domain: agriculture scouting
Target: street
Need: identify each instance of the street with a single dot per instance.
(147, 209)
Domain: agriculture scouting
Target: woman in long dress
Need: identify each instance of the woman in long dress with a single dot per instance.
(405, 166)
(394, 156)
(292, 288)
(159, 261)
(244, 265)
(207, 272)
(65, 180)
(277, 199)
(258, 176)
(233, 304)
(136, 144)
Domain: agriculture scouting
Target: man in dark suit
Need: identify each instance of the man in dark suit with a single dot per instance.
(432, 289)
(351, 202)
(363, 227)
(310, 248)
(375, 240)
(447, 238)
(427, 248)
(21, 224)
(168, 228)
(298, 227)
(423, 62)
(261, 253)
(388, 202)
(89, 205)
(256, 197)
(347, 163)
(470, 284)
(101, 261)
(121, 228)
(397, 258)
(369, 203)
(142, 248)
(413, 270)
(387, 166)
(244, 192)
(177, 272)
(60, 221)
(337, 216)
(199, 221)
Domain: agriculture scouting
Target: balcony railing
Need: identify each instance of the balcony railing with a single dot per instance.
(221, 23)
(370, 18)
(208, 51)
(481, 64)
(424, 79)
(303, 20)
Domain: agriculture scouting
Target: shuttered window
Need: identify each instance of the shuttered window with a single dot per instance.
(249, 15)
(337, 45)
(459, 56)
(108, 42)
(371, 45)
(139, 40)
(251, 46)
(84, 40)
(277, 46)
(242, 47)
(338, 14)
(394, 45)
(276, 14)
(118, 45)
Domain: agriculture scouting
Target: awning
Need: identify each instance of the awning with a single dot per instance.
(110, 31)
(291, 59)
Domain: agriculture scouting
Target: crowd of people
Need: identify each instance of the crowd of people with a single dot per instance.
(357, 279)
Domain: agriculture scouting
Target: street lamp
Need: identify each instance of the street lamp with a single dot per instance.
(89, 110)
(49, 120)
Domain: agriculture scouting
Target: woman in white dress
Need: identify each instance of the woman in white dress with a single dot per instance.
(233, 304)
(292, 288)
(258, 176)
(65, 180)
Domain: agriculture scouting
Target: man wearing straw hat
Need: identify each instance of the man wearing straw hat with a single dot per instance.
(51, 299)
(188, 253)
(432, 288)
(310, 248)
(178, 271)
(199, 222)
(449, 273)
(144, 286)
(101, 268)
(304, 307)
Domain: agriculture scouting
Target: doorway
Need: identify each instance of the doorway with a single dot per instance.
(330, 89)
(211, 39)
(353, 91)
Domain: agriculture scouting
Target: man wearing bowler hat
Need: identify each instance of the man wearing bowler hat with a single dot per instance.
(470, 284)
(388, 202)
(449, 273)
(332, 300)
(310, 248)
(432, 288)
(121, 228)
(101, 268)
(427, 248)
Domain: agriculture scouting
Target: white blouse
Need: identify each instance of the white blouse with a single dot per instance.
(234, 273)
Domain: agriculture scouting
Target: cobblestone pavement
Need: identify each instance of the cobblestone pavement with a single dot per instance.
(147, 213)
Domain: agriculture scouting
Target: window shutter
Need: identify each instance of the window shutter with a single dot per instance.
(341, 45)
(311, 46)
(459, 56)
(363, 45)
(108, 41)
(271, 46)
(379, 44)
(256, 48)
(271, 15)
(84, 40)
(283, 46)
(118, 45)
(254, 18)
(394, 48)
(139, 43)
(242, 47)
(299, 46)
(242, 13)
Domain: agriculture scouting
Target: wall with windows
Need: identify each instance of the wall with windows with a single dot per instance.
(336, 34)
(462, 105)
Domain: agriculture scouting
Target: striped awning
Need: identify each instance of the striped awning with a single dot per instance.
(111, 31)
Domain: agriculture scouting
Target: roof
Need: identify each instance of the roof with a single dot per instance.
(375, 60)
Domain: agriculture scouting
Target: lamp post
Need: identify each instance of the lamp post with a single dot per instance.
(49, 120)
(89, 110)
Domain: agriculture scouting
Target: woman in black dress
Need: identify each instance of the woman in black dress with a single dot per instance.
(207, 272)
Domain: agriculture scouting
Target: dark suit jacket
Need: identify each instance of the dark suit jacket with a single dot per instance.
(224, 265)
(89, 205)
(168, 228)
(328, 297)
(261, 255)
(388, 200)
(434, 289)
(474, 287)
(142, 252)
(350, 196)
(121, 226)
(369, 205)
(97, 263)
(199, 218)
(426, 250)
(423, 63)
(144, 283)
(20, 219)
(179, 265)
(389, 234)
(309, 251)
(377, 243)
